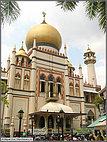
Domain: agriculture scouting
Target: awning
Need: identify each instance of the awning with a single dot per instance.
(91, 126)
(91, 91)
(101, 125)
(54, 107)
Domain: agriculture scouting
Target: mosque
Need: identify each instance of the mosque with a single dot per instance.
(42, 82)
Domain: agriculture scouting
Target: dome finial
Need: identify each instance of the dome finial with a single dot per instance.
(65, 50)
(22, 46)
(43, 17)
(88, 47)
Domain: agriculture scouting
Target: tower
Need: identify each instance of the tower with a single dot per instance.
(90, 60)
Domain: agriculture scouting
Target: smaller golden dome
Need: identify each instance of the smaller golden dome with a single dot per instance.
(70, 65)
(21, 51)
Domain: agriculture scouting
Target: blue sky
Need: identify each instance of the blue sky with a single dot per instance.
(76, 30)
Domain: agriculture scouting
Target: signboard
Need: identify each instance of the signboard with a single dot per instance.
(39, 131)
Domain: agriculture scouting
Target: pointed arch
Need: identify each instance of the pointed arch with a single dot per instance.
(51, 77)
(50, 122)
(41, 122)
(17, 80)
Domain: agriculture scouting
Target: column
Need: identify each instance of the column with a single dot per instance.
(54, 117)
(20, 59)
(46, 89)
(12, 127)
(25, 124)
(64, 122)
(46, 122)
(25, 62)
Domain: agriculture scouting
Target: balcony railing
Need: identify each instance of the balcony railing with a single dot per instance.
(52, 96)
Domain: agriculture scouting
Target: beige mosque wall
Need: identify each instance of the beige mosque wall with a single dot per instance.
(76, 107)
(17, 104)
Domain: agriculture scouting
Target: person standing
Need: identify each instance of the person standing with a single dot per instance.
(24, 133)
(100, 137)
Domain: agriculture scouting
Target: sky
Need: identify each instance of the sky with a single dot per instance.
(75, 28)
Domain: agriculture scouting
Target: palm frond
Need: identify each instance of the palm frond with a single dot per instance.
(67, 5)
(9, 11)
(91, 9)
(102, 15)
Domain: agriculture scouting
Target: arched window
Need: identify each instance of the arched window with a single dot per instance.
(51, 86)
(87, 98)
(17, 81)
(17, 60)
(58, 86)
(50, 122)
(50, 78)
(22, 61)
(77, 89)
(71, 89)
(68, 122)
(41, 122)
(90, 117)
(26, 82)
(42, 83)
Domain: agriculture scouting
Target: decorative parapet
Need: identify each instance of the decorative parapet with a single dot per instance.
(48, 51)
(88, 85)
(72, 75)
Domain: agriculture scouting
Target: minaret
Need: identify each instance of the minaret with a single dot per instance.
(33, 78)
(8, 63)
(80, 70)
(90, 60)
(82, 94)
(66, 79)
(10, 86)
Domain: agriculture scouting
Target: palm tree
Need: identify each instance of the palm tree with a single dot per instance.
(3, 91)
(94, 9)
(9, 11)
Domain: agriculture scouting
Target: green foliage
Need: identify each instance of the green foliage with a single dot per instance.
(4, 90)
(3, 87)
(94, 9)
(67, 5)
(9, 11)
(97, 9)
(98, 100)
(5, 101)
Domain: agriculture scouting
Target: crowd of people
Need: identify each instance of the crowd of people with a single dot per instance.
(68, 137)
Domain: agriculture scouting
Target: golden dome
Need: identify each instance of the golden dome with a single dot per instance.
(21, 52)
(88, 51)
(45, 35)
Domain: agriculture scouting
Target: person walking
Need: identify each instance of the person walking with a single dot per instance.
(24, 133)
(100, 137)
(91, 137)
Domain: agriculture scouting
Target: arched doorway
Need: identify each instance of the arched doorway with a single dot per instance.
(50, 122)
(90, 117)
(41, 122)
